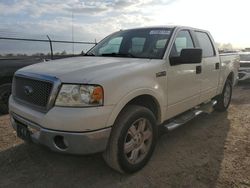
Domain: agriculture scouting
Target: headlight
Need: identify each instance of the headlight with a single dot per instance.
(80, 95)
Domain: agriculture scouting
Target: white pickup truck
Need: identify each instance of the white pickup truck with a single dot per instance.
(114, 99)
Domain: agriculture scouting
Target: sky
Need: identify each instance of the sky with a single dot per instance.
(227, 20)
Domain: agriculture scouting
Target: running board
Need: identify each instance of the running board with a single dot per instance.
(187, 116)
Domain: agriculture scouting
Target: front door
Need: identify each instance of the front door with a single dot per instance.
(183, 81)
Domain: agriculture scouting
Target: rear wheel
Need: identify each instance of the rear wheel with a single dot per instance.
(5, 91)
(132, 140)
(224, 99)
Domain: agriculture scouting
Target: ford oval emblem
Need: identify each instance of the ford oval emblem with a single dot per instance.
(28, 90)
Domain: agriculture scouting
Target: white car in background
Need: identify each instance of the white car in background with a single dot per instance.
(244, 70)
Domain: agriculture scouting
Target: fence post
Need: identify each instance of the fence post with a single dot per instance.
(51, 47)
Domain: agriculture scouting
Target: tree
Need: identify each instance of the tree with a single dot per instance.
(64, 52)
(227, 46)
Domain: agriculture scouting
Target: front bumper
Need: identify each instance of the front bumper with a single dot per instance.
(65, 119)
(65, 142)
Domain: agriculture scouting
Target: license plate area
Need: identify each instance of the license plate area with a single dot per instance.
(23, 132)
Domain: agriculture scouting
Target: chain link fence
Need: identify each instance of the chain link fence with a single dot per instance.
(27, 48)
(16, 53)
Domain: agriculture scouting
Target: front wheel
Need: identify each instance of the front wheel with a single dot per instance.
(224, 99)
(132, 140)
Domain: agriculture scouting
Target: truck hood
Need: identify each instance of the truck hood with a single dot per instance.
(85, 69)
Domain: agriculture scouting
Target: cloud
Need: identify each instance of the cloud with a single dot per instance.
(31, 8)
(94, 7)
(110, 15)
(88, 10)
(12, 9)
(227, 20)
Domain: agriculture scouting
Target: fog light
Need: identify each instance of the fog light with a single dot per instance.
(60, 142)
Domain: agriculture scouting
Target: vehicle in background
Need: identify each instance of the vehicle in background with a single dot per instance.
(8, 66)
(115, 98)
(244, 70)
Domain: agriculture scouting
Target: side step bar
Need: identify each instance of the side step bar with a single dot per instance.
(187, 116)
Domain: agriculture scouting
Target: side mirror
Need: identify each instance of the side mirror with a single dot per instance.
(187, 56)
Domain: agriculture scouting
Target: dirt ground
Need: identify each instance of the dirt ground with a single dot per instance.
(210, 151)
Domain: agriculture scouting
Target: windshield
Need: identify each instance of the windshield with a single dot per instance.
(136, 43)
(244, 57)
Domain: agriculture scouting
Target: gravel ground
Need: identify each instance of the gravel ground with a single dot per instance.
(209, 151)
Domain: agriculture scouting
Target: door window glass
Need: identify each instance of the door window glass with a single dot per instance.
(205, 44)
(182, 41)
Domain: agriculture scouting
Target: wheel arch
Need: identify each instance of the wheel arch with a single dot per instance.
(227, 76)
(230, 77)
(146, 98)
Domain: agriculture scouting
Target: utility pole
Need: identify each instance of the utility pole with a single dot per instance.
(72, 34)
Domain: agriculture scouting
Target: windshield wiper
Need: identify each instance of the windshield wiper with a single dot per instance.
(89, 54)
(118, 55)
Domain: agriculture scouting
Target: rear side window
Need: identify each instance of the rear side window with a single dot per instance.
(205, 44)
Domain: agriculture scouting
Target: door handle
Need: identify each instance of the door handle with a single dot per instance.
(217, 66)
(198, 69)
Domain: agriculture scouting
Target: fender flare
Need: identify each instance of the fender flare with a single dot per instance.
(130, 96)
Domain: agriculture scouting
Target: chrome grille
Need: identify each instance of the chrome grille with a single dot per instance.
(32, 91)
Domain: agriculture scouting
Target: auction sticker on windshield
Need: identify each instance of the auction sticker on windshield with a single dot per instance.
(160, 32)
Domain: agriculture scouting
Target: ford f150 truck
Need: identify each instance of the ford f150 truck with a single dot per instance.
(114, 99)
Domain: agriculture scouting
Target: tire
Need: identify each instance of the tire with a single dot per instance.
(5, 91)
(224, 99)
(135, 129)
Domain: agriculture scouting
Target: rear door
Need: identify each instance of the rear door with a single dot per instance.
(210, 66)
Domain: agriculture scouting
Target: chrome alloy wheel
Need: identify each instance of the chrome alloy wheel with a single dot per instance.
(227, 95)
(138, 141)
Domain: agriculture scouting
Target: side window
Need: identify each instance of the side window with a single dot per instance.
(112, 46)
(183, 40)
(205, 44)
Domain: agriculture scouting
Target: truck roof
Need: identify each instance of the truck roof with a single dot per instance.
(167, 26)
